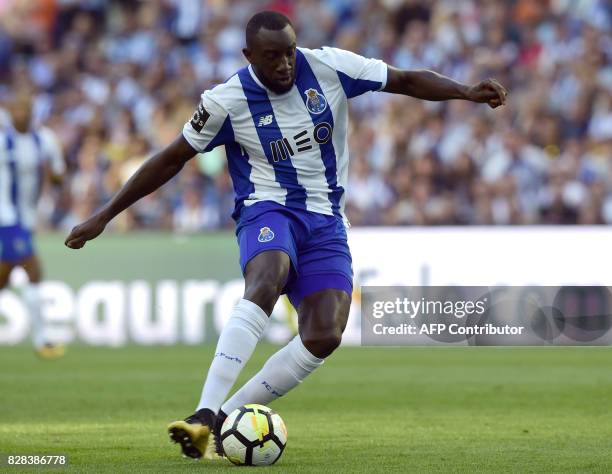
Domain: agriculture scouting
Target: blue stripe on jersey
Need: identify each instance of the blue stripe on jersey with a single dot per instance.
(237, 163)
(13, 178)
(39, 168)
(240, 171)
(354, 87)
(304, 80)
(223, 136)
(285, 173)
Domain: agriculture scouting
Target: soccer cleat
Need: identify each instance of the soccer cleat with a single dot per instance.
(50, 351)
(194, 434)
(217, 433)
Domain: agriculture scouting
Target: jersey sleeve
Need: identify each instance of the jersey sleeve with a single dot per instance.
(209, 126)
(357, 74)
(52, 152)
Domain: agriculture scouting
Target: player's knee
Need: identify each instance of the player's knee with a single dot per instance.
(33, 270)
(264, 294)
(264, 288)
(4, 278)
(36, 278)
(323, 344)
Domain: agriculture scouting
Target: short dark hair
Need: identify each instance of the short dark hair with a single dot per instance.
(267, 19)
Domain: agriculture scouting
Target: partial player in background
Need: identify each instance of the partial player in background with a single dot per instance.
(284, 123)
(28, 156)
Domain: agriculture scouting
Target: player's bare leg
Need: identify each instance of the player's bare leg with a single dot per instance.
(33, 269)
(5, 272)
(322, 319)
(265, 277)
(44, 347)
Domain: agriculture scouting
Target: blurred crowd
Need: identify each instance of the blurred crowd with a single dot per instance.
(116, 80)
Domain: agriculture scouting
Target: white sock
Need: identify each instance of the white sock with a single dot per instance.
(31, 296)
(282, 372)
(234, 348)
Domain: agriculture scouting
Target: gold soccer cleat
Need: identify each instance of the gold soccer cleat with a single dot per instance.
(194, 434)
(50, 351)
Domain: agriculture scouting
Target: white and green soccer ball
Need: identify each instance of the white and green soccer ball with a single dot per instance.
(253, 435)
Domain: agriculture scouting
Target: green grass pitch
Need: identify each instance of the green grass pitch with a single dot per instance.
(366, 410)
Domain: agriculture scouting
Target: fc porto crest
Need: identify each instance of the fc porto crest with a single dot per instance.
(19, 246)
(265, 234)
(315, 101)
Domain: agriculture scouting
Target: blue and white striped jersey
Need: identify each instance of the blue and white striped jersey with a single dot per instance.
(23, 158)
(289, 148)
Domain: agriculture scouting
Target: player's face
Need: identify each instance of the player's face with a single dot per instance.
(272, 55)
(20, 109)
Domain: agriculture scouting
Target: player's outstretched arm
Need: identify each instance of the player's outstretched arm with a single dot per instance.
(430, 85)
(151, 175)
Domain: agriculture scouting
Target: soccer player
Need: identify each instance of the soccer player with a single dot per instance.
(283, 121)
(27, 155)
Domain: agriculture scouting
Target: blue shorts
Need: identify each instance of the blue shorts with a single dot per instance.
(316, 244)
(16, 244)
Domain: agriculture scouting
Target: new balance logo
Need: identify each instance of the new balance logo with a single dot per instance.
(265, 120)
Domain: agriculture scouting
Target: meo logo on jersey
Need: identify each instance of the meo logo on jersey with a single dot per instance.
(265, 120)
(282, 149)
(315, 101)
(265, 234)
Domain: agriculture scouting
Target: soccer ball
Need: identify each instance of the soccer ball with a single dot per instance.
(253, 435)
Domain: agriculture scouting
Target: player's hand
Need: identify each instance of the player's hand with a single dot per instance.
(489, 91)
(88, 230)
